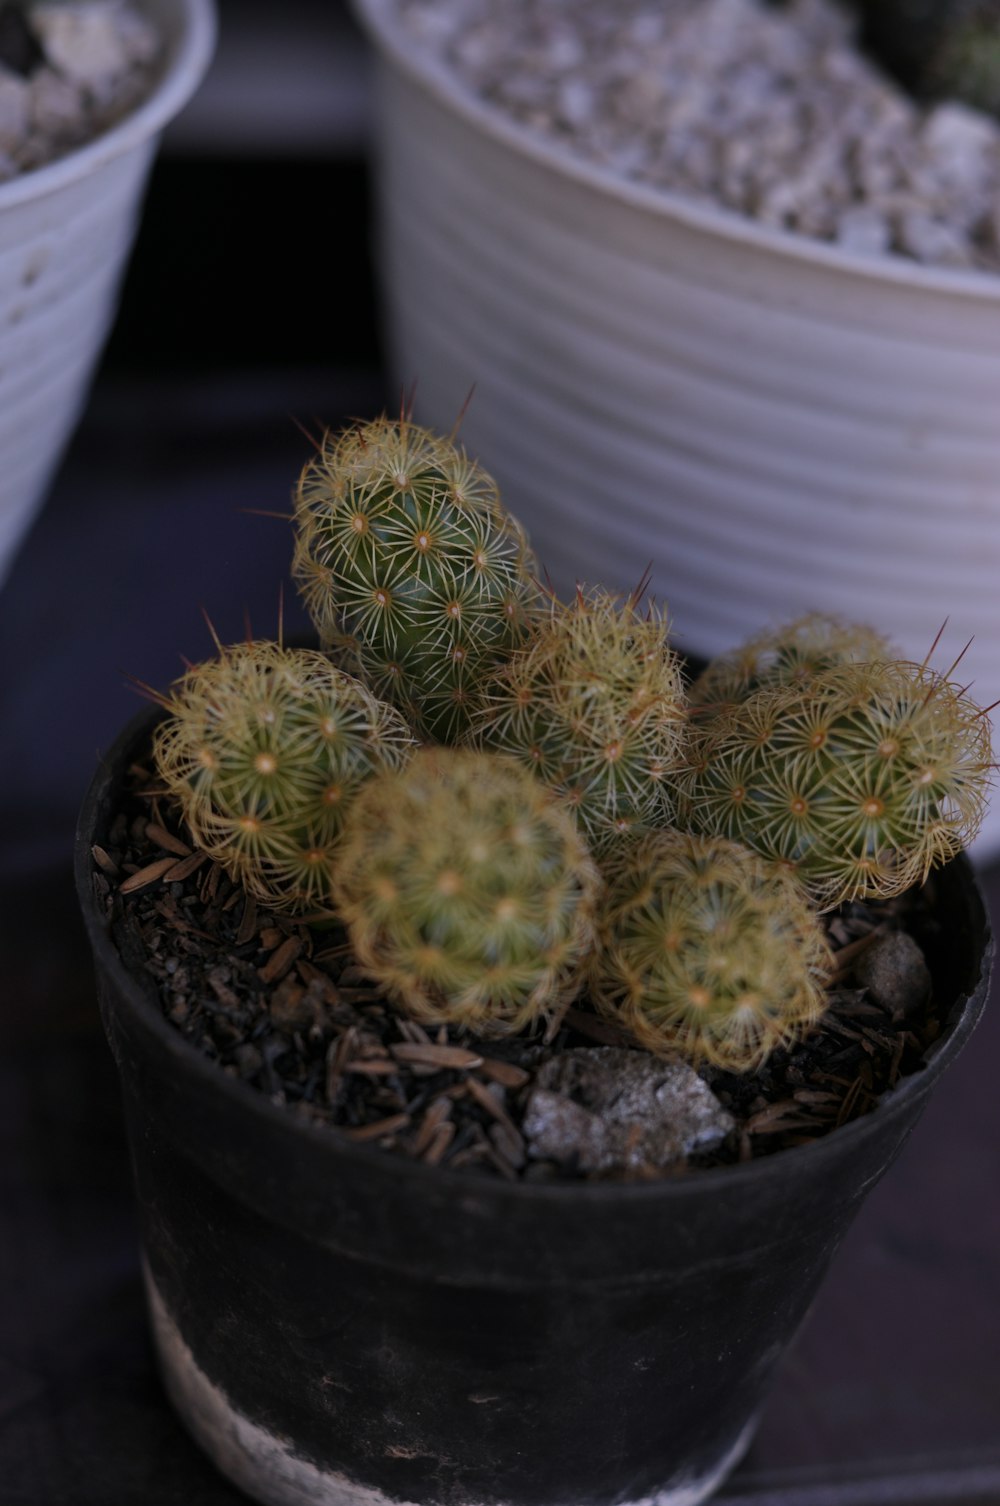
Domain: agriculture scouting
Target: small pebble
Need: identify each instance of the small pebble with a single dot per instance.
(81, 41)
(895, 973)
(864, 230)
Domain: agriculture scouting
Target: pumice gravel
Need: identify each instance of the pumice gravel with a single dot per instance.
(773, 112)
(69, 69)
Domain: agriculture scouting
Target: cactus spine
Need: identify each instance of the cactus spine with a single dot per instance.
(707, 951)
(467, 892)
(410, 568)
(862, 780)
(264, 748)
(595, 706)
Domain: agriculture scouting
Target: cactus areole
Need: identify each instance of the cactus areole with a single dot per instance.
(345, 1327)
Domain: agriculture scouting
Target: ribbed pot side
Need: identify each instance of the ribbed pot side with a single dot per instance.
(773, 425)
(340, 1326)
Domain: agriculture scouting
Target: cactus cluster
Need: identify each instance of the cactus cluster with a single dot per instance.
(263, 748)
(467, 892)
(810, 766)
(412, 571)
(707, 951)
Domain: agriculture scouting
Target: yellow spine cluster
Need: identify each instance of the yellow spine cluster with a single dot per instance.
(707, 952)
(792, 654)
(595, 706)
(861, 781)
(264, 748)
(412, 571)
(467, 892)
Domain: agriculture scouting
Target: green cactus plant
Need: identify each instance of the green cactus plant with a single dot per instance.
(787, 655)
(264, 748)
(595, 706)
(411, 569)
(467, 892)
(966, 65)
(707, 951)
(941, 49)
(861, 780)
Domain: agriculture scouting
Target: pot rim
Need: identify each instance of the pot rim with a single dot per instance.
(963, 1016)
(421, 66)
(190, 57)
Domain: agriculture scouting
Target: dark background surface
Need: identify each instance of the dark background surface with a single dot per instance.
(250, 309)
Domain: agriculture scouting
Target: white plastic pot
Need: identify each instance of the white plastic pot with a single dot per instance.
(65, 234)
(773, 424)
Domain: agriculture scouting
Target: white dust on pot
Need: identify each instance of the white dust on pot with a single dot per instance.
(69, 69)
(267, 1467)
(772, 112)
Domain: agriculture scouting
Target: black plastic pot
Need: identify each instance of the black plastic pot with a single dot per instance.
(338, 1325)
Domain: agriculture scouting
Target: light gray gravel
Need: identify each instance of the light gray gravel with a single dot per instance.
(99, 59)
(771, 112)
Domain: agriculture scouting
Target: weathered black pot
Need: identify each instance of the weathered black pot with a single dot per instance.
(337, 1325)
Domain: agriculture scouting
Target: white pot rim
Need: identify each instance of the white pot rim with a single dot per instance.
(185, 68)
(421, 66)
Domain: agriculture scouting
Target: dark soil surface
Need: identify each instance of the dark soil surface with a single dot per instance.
(284, 1007)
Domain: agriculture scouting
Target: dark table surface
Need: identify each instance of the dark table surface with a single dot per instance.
(892, 1391)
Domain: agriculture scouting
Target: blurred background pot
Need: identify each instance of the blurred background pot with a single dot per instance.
(66, 230)
(342, 1326)
(775, 424)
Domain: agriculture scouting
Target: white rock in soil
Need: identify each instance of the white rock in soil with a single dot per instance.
(606, 1110)
(933, 242)
(643, 93)
(83, 41)
(962, 140)
(574, 103)
(140, 39)
(864, 230)
(57, 106)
